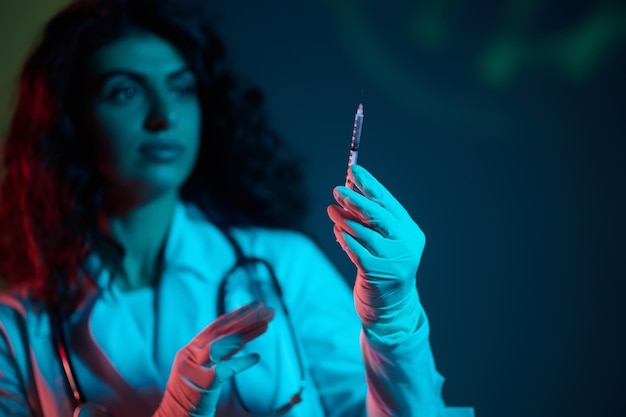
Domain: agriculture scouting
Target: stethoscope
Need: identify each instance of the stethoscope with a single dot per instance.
(83, 408)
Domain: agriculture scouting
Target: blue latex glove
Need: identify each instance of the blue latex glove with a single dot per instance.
(386, 245)
(201, 367)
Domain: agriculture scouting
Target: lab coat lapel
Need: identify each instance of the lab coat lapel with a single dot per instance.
(110, 348)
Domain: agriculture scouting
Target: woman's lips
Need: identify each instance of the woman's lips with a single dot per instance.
(161, 151)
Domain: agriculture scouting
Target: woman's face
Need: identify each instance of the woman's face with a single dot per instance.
(144, 115)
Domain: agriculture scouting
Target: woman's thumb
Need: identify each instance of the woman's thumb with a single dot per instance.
(226, 369)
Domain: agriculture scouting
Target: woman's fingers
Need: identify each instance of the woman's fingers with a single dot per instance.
(229, 333)
(226, 347)
(247, 325)
(367, 212)
(370, 239)
(375, 191)
(246, 321)
(200, 363)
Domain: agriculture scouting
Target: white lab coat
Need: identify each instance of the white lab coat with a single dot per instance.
(122, 344)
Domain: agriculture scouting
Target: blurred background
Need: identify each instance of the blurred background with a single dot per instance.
(500, 125)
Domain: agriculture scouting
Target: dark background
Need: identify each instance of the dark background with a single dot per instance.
(500, 126)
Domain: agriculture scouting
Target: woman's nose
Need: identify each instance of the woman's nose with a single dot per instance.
(160, 117)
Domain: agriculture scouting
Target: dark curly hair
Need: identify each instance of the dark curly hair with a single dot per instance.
(50, 190)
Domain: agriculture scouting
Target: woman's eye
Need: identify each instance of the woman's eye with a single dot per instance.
(123, 93)
(184, 90)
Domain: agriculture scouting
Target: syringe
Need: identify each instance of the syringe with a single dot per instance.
(356, 141)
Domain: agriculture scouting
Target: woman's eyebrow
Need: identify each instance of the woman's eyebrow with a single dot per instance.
(135, 76)
(178, 73)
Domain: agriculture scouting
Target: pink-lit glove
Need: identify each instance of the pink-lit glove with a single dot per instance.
(386, 245)
(200, 368)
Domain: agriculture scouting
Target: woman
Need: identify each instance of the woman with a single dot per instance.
(146, 206)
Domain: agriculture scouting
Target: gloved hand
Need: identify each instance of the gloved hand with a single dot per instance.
(200, 368)
(386, 245)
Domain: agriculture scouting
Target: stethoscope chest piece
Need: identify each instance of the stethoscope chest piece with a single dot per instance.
(91, 410)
